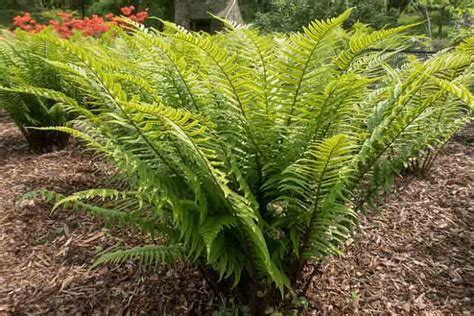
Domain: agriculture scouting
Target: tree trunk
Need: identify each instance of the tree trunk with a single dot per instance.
(79, 5)
(181, 13)
(83, 8)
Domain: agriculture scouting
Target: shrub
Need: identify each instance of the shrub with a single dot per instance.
(251, 155)
(65, 24)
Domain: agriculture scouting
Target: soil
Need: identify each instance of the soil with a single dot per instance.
(413, 255)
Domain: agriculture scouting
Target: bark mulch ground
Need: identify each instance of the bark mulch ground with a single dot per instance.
(415, 255)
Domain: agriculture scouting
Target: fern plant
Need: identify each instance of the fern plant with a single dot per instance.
(22, 63)
(251, 155)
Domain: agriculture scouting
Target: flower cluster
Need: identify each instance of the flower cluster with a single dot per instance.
(27, 23)
(66, 24)
(139, 17)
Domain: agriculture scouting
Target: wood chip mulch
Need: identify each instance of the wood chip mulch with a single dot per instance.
(414, 256)
(45, 258)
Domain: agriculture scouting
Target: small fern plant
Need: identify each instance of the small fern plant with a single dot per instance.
(252, 155)
(22, 63)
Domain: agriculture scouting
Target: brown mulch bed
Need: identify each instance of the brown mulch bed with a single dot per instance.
(45, 258)
(416, 255)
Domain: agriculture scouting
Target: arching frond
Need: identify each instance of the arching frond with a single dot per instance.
(146, 256)
(358, 44)
(304, 62)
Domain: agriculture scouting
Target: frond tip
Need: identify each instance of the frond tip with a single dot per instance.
(145, 256)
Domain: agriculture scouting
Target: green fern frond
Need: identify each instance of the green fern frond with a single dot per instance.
(302, 65)
(102, 194)
(213, 225)
(145, 256)
(358, 44)
(458, 91)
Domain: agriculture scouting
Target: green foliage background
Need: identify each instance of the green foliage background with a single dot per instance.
(291, 15)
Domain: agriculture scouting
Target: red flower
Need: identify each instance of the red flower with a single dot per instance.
(66, 24)
(25, 22)
(142, 16)
(127, 10)
(38, 28)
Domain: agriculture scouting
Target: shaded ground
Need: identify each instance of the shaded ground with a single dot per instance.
(416, 256)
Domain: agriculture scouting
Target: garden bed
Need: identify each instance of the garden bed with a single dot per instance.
(415, 255)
